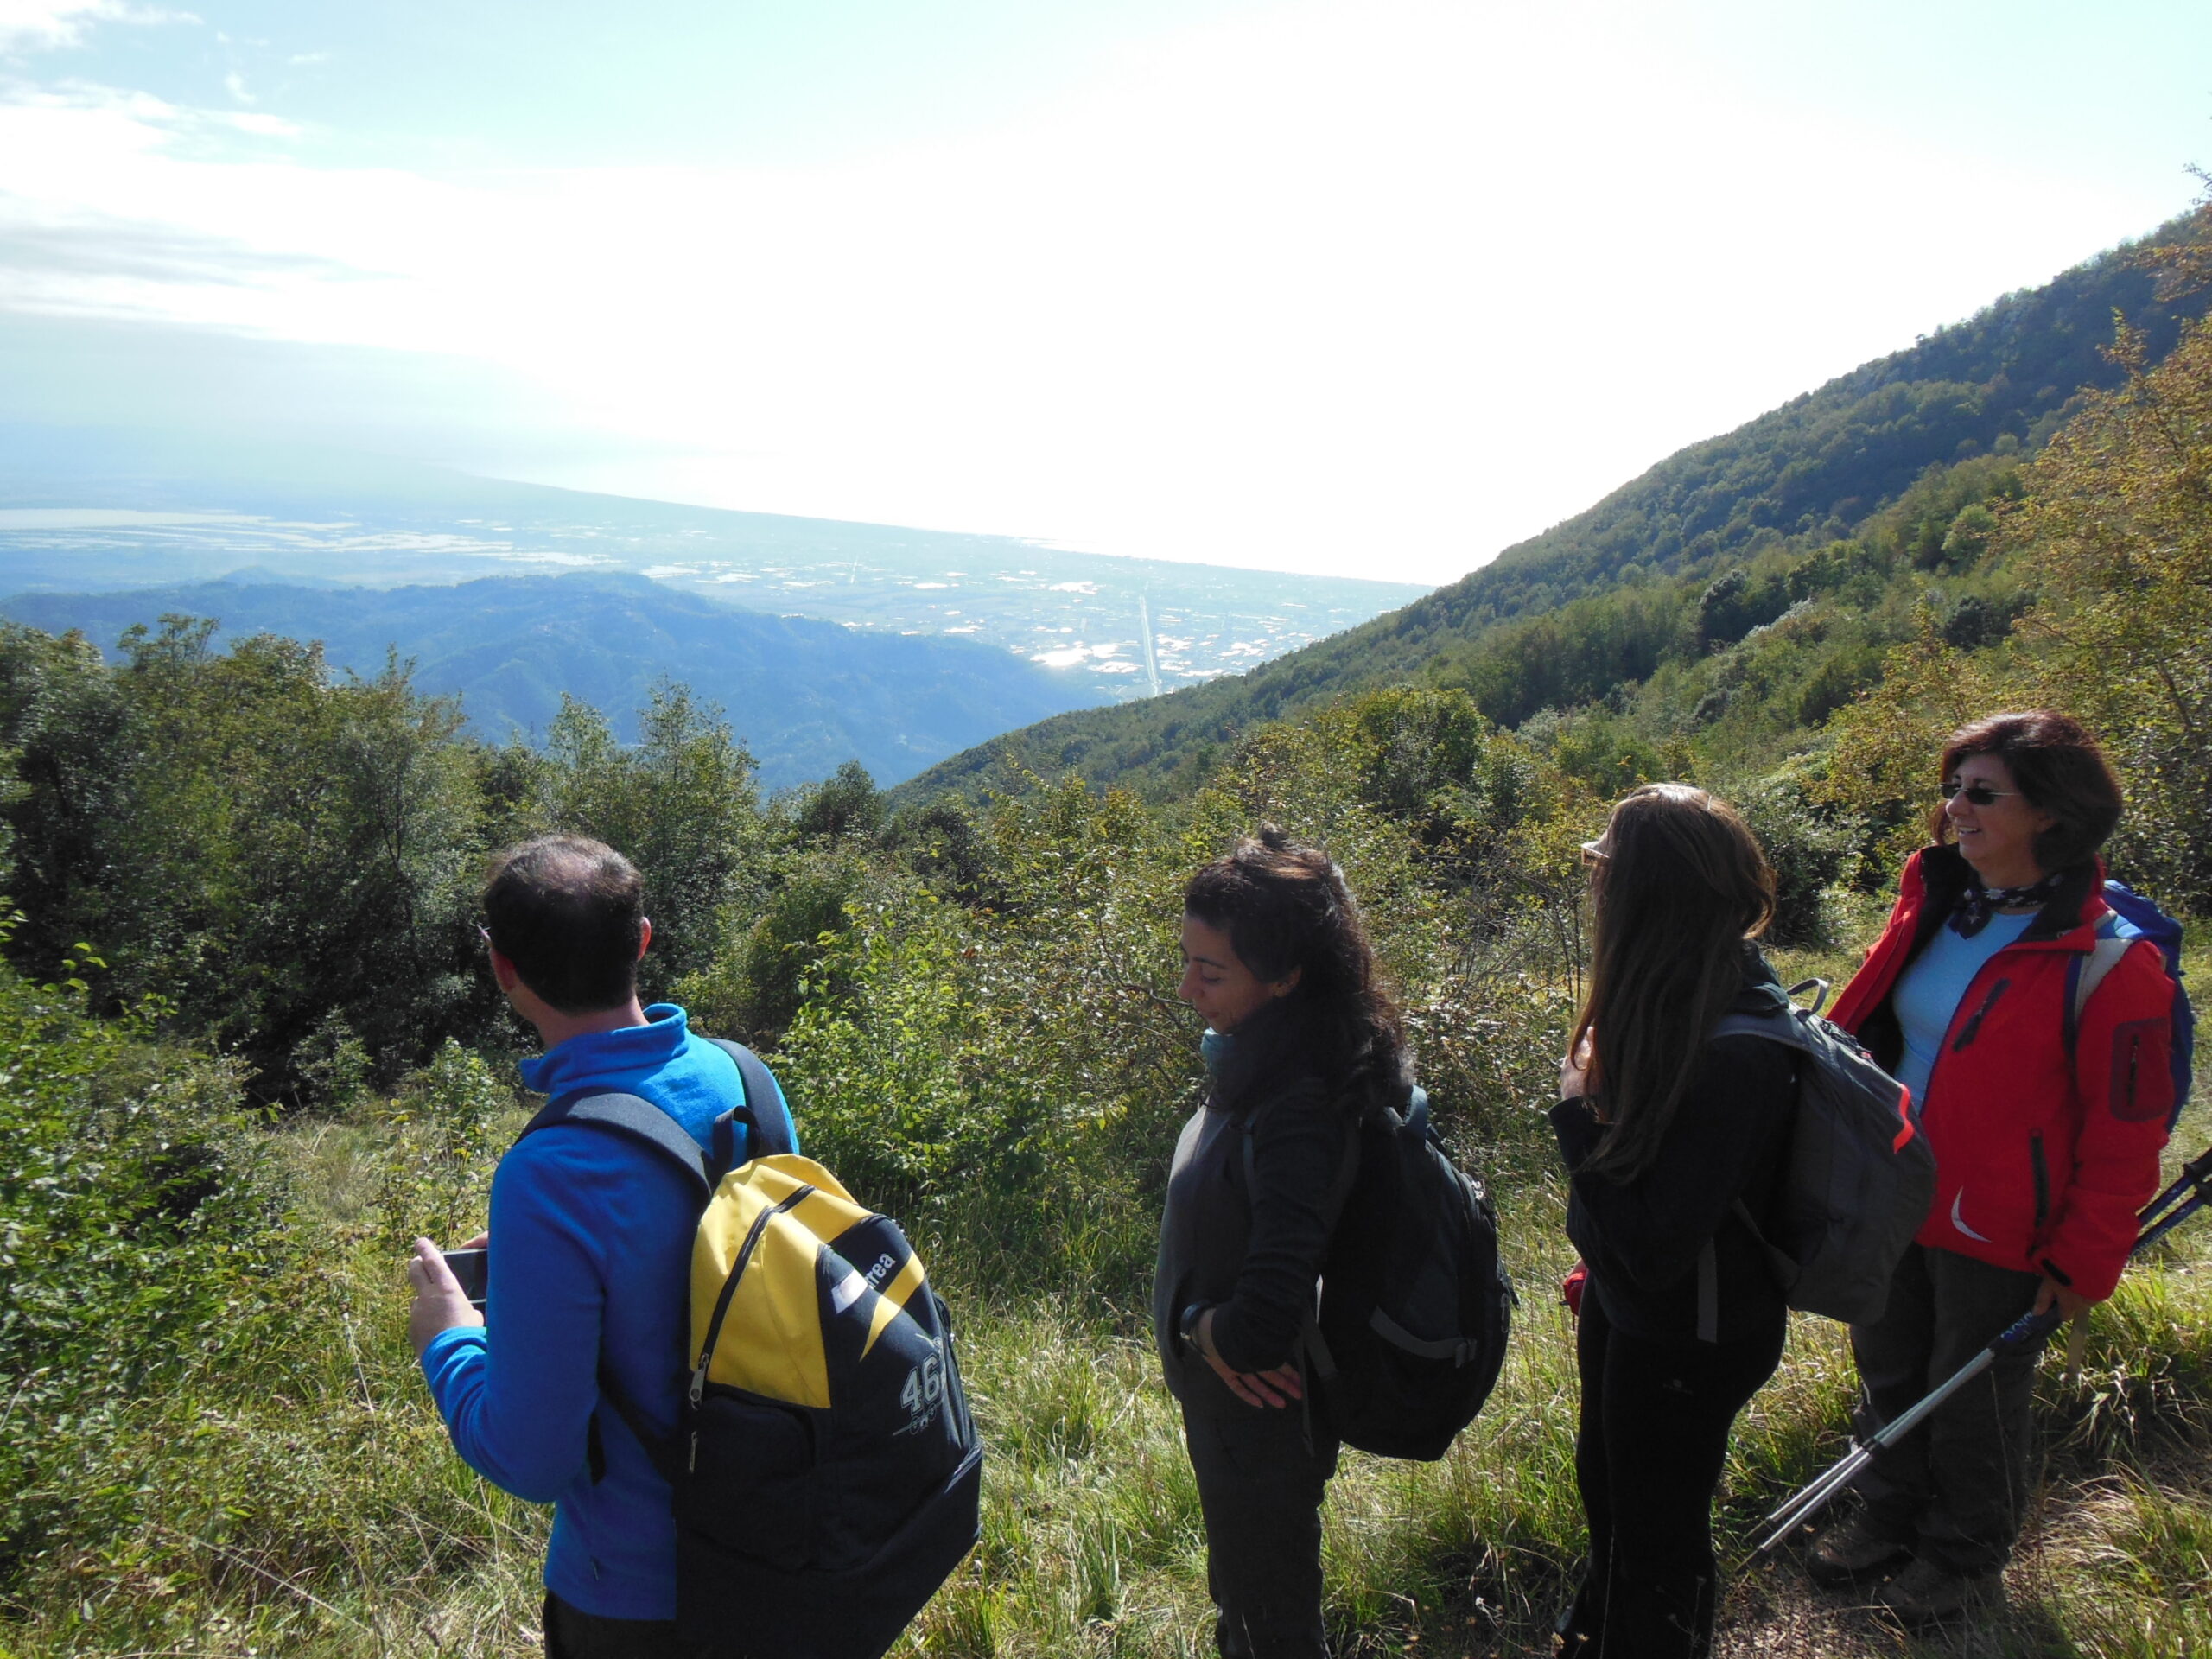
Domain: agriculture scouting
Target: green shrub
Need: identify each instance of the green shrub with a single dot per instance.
(1811, 849)
(449, 1123)
(138, 1218)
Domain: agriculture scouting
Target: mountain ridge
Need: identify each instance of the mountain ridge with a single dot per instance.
(1814, 469)
(793, 687)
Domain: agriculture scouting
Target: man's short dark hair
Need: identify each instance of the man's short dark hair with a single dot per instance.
(567, 912)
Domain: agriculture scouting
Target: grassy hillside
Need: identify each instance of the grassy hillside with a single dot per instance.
(230, 1452)
(1834, 465)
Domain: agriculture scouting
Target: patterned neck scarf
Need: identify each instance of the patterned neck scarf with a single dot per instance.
(1978, 904)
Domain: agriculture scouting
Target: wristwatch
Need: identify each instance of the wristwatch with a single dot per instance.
(1186, 1327)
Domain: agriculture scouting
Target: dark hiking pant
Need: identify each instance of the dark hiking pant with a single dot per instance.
(1956, 1487)
(571, 1633)
(1260, 1487)
(1653, 1434)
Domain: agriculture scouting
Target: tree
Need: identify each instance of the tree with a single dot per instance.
(2112, 531)
(845, 805)
(2117, 529)
(682, 806)
(260, 848)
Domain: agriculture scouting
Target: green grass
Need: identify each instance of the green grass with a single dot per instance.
(294, 1493)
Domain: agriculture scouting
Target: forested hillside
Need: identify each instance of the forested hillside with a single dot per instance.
(805, 695)
(251, 1049)
(1844, 484)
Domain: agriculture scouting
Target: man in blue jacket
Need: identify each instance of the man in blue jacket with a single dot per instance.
(590, 1247)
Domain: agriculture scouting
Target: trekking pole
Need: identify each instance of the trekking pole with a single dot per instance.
(2194, 1184)
(2190, 1192)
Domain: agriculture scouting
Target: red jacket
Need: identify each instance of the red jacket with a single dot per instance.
(2042, 1158)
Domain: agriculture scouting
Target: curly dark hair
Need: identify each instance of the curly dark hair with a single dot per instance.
(1285, 907)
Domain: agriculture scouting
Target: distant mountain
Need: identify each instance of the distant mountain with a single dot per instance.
(86, 509)
(1812, 471)
(804, 695)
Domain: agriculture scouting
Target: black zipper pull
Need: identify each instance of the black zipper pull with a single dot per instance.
(1974, 1026)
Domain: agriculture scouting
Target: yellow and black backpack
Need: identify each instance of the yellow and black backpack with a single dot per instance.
(826, 1470)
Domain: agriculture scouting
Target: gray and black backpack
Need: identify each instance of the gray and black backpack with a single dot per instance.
(1859, 1176)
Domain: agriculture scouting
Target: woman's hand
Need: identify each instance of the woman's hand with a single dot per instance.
(1277, 1388)
(440, 1302)
(2070, 1305)
(1574, 1069)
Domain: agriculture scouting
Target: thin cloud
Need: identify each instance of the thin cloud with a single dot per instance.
(1384, 285)
(49, 25)
(50, 257)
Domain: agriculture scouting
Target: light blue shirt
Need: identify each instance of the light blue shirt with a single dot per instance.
(1929, 991)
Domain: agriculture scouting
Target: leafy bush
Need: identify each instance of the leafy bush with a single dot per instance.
(449, 1125)
(138, 1218)
(1811, 849)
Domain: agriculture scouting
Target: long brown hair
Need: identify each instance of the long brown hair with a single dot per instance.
(1681, 884)
(1285, 907)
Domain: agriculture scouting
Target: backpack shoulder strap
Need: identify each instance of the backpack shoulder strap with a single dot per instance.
(639, 1119)
(635, 1116)
(2087, 973)
(1708, 1294)
(771, 1128)
(1782, 1028)
(1775, 1028)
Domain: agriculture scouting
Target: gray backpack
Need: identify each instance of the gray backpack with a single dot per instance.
(1859, 1179)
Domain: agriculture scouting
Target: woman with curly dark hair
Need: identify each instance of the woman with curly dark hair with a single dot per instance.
(2045, 1099)
(1301, 1039)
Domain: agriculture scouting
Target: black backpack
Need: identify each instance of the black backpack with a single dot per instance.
(825, 1469)
(1857, 1183)
(1415, 1306)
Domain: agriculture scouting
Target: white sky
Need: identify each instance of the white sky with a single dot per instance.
(1371, 288)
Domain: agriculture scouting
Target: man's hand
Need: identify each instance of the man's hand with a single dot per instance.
(2070, 1305)
(1277, 1388)
(440, 1303)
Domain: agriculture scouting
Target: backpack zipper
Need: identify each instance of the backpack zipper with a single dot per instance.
(729, 1287)
(1974, 1026)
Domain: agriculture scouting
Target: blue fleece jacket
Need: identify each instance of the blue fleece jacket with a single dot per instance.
(590, 1265)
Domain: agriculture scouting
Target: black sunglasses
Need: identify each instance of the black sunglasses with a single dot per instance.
(1976, 794)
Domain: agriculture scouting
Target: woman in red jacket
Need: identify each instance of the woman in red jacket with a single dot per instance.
(2046, 1134)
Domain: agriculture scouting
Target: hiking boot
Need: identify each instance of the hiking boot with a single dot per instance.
(1850, 1549)
(1928, 1593)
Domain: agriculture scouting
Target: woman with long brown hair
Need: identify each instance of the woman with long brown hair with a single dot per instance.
(1301, 1040)
(1672, 1138)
